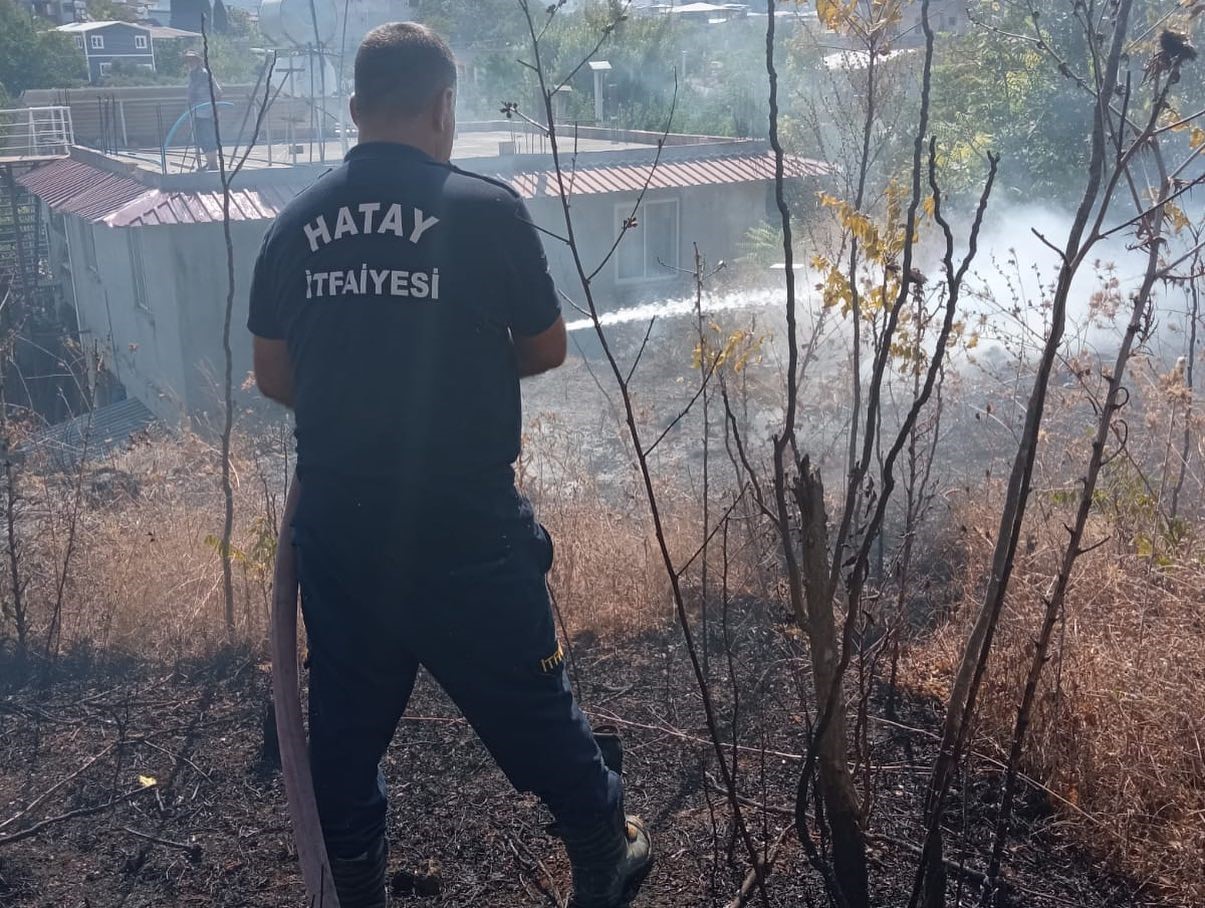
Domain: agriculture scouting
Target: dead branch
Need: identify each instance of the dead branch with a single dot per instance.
(192, 849)
(651, 496)
(930, 876)
(73, 815)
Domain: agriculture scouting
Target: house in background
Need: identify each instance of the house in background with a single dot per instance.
(106, 43)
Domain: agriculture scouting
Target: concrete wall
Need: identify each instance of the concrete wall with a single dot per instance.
(945, 16)
(194, 265)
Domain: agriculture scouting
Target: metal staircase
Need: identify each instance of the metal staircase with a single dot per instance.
(23, 240)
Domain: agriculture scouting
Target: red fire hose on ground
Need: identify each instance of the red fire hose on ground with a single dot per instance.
(286, 700)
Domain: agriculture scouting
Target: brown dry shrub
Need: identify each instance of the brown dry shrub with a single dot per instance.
(609, 577)
(144, 575)
(1118, 724)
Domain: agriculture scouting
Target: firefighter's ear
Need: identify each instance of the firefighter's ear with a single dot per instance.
(351, 106)
(443, 122)
(445, 111)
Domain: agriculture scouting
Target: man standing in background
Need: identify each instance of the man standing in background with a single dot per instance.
(201, 110)
(395, 305)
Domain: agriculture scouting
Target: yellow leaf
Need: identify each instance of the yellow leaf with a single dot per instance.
(147, 781)
(1177, 216)
(1196, 138)
(829, 12)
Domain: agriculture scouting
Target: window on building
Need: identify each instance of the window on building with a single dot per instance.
(648, 250)
(140, 42)
(79, 41)
(105, 67)
(137, 272)
(97, 42)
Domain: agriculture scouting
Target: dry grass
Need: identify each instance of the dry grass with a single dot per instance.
(1118, 729)
(1118, 726)
(144, 576)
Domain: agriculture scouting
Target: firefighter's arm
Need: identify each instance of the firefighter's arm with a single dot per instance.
(533, 308)
(273, 370)
(543, 351)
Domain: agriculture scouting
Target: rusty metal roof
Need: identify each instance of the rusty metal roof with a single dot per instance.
(704, 171)
(195, 207)
(74, 187)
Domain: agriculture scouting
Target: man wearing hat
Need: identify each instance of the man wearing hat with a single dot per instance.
(201, 109)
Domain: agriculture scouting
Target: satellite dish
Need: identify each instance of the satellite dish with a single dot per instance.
(298, 23)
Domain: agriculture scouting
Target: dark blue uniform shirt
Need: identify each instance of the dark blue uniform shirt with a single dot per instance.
(398, 283)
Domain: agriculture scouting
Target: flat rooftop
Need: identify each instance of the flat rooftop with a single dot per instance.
(471, 145)
(153, 187)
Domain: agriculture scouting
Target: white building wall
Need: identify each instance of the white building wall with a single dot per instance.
(168, 352)
(194, 265)
(141, 342)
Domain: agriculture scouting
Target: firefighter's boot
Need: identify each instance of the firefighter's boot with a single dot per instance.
(610, 860)
(360, 881)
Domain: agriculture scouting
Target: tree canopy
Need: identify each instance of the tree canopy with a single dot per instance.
(34, 55)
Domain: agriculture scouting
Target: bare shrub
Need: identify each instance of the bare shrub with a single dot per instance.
(1117, 727)
(146, 577)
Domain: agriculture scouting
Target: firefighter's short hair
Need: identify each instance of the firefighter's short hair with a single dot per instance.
(401, 67)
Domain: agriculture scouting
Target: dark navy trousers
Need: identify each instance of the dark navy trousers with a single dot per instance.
(462, 593)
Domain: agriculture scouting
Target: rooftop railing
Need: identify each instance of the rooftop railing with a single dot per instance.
(36, 132)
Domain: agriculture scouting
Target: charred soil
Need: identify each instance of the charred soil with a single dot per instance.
(152, 787)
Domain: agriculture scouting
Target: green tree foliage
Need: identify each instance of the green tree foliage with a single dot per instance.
(110, 11)
(34, 55)
(482, 24)
(999, 88)
(716, 68)
(995, 89)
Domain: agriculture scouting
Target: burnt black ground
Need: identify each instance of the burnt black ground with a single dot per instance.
(197, 730)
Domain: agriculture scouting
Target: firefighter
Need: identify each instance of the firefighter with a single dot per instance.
(395, 305)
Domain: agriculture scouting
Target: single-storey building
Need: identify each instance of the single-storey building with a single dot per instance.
(142, 256)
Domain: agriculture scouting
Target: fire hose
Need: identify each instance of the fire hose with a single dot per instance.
(286, 700)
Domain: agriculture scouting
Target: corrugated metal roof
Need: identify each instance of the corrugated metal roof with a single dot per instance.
(704, 171)
(175, 207)
(90, 26)
(97, 434)
(73, 187)
(78, 188)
